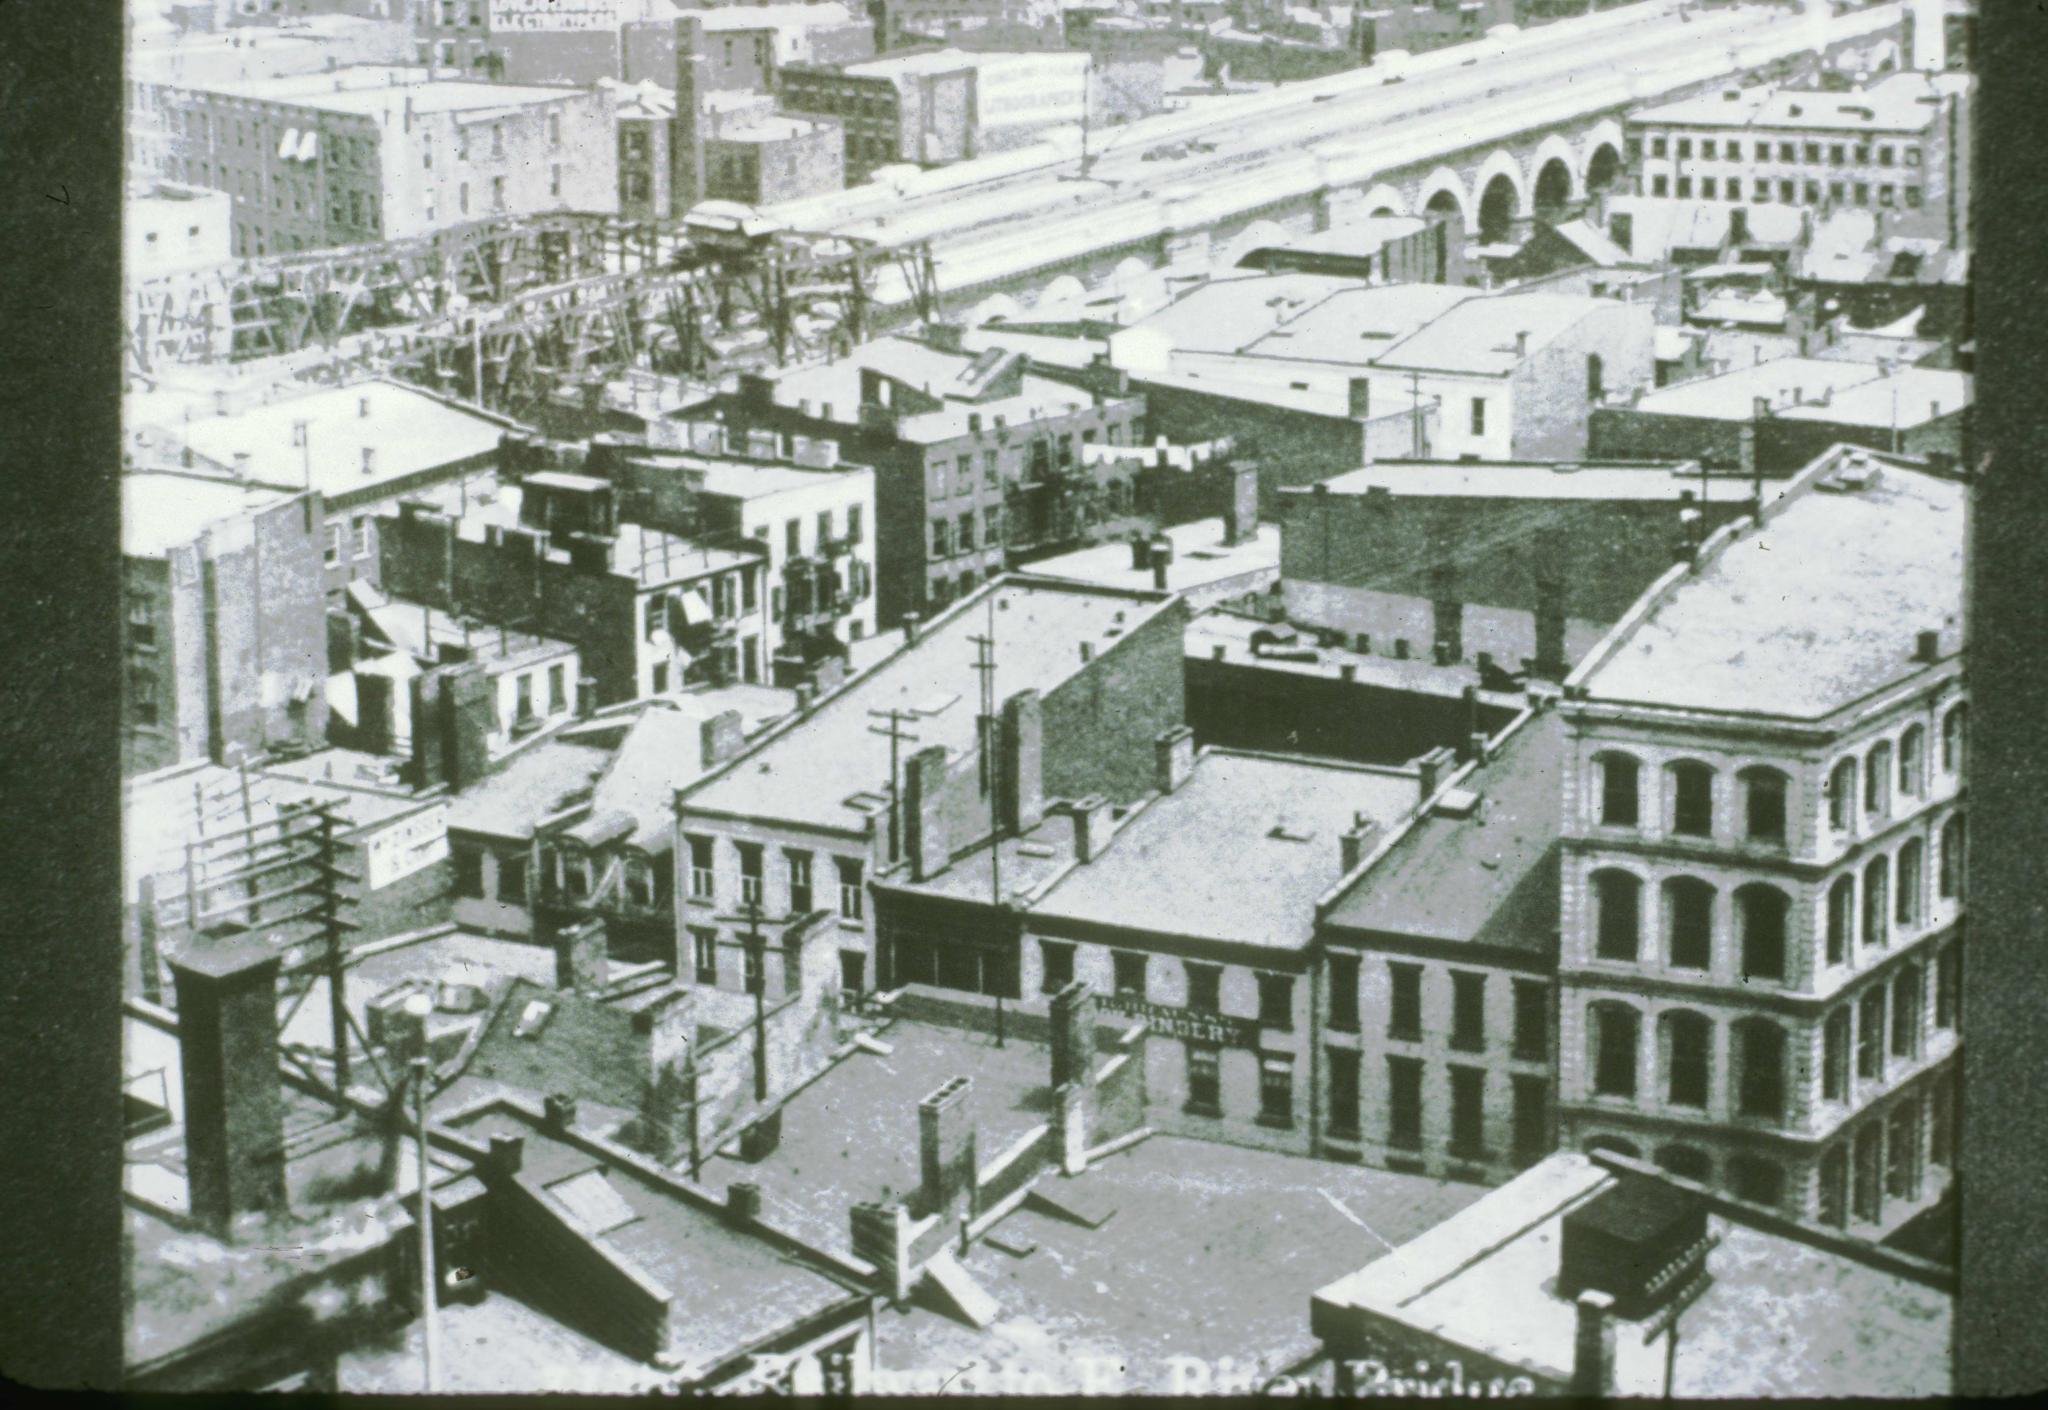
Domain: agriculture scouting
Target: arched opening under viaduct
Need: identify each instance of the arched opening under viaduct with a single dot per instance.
(1603, 168)
(1497, 211)
(1553, 191)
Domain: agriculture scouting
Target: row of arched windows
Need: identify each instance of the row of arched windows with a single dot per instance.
(1685, 1059)
(1750, 1177)
(1867, 785)
(1688, 912)
(1893, 891)
(1763, 792)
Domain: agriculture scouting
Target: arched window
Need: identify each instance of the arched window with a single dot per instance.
(1687, 1163)
(1760, 912)
(1907, 886)
(1763, 804)
(1617, 915)
(1877, 879)
(1842, 795)
(1756, 1180)
(1596, 378)
(1954, 726)
(1834, 1056)
(1619, 775)
(1909, 1010)
(1688, 1057)
(1912, 761)
(1689, 923)
(1834, 1187)
(1877, 778)
(1616, 1029)
(1760, 1069)
(1841, 918)
(1951, 867)
(1692, 799)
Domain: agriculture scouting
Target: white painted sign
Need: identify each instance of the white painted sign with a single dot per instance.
(529, 16)
(410, 844)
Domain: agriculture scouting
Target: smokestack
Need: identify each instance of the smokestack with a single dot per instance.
(234, 1114)
(1927, 647)
(1430, 770)
(1550, 658)
(1141, 550)
(1241, 508)
(721, 737)
(1073, 1034)
(1593, 1346)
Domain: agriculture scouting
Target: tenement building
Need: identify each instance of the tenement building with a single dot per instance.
(1761, 905)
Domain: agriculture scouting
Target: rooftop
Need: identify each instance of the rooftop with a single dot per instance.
(346, 448)
(425, 632)
(1488, 877)
(1906, 102)
(1200, 559)
(746, 479)
(1909, 397)
(911, 64)
(1479, 335)
(755, 126)
(1357, 239)
(1816, 609)
(634, 801)
(1231, 381)
(1732, 396)
(1534, 479)
(532, 784)
(825, 768)
(164, 510)
(1238, 853)
(496, 1346)
(380, 90)
(1385, 617)
(1231, 313)
(1781, 1315)
(837, 384)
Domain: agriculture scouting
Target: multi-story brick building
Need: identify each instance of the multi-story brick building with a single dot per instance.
(1761, 896)
(976, 458)
(1899, 145)
(226, 628)
(379, 153)
(916, 107)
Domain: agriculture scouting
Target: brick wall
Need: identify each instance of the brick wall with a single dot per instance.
(1249, 707)
(537, 1256)
(1100, 725)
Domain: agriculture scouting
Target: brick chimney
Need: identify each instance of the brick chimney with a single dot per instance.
(1550, 657)
(582, 957)
(1020, 754)
(234, 1113)
(924, 812)
(1073, 1034)
(1593, 1345)
(1353, 844)
(1241, 508)
(945, 1132)
(1091, 825)
(721, 736)
(1173, 758)
(1432, 769)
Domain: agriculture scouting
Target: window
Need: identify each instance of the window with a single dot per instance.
(1615, 1031)
(703, 884)
(575, 872)
(1953, 725)
(1684, 186)
(1912, 156)
(1834, 1056)
(1130, 973)
(1343, 1091)
(512, 877)
(1941, 1123)
(361, 526)
(1760, 911)
(1617, 904)
(1692, 799)
(1841, 918)
(1709, 187)
(522, 697)
(640, 881)
(1468, 1111)
(1709, 149)
(141, 620)
(469, 870)
(1532, 1020)
(1660, 186)
(1841, 794)
(799, 883)
(1468, 1011)
(1902, 1150)
(1837, 154)
(1909, 883)
(558, 688)
(1404, 1103)
(1618, 789)
(963, 532)
(1531, 1134)
(1865, 1197)
(1659, 147)
(1788, 191)
(1057, 959)
(941, 548)
(1689, 922)
(704, 946)
(1760, 1055)
(1876, 901)
(1863, 193)
(1914, 197)
(1205, 988)
(1756, 1180)
(1276, 1002)
(1870, 1033)
(750, 872)
(991, 475)
(1404, 1007)
(1276, 1091)
(462, 197)
(1684, 147)
(1596, 386)
(1688, 1059)
(1763, 792)
(1687, 1163)
(554, 129)
(1947, 984)
(1205, 1082)
(555, 179)
(851, 892)
(332, 557)
(1909, 987)
(1479, 416)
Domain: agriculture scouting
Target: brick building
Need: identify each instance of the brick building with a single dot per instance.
(1762, 884)
(916, 107)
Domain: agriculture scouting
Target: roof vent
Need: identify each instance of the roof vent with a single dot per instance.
(1642, 1242)
(1927, 646)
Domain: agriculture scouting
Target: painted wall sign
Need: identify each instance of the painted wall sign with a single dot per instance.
(1221, 1029)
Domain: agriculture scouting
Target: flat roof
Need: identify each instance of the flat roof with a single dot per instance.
(1478, 335)
(1356, 326)
(810, 772)
(1385, 616)
(163, 510)
(663, 751)
(1903, 103)
(1238, 853)
(533, 783)
(751, 479)
(1325, 400)
(374, 90)
(837, 384)
(766, 127)
(910, 64)
(1363, 238)
(1780, 1315)
(1489, 877)
(1818, 607)
(1232, 312)
(1200, 558)
(422, 631)
(495, 1346)
(1533, 479)
(407, 433)
(1732, 395)
(1911, 396)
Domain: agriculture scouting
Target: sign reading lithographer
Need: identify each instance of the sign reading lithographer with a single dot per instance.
(514, 16)
(1218, 1028)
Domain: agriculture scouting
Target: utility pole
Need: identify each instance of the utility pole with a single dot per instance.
(1415, 413)
(330, 924)
(419, 1006)
(898, 737)
(757, 950)
(985, 668)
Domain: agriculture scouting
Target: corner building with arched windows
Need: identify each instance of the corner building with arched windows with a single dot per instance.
(1761, 905)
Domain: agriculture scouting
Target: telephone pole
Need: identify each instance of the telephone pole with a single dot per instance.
(991, 771)
(898, 737)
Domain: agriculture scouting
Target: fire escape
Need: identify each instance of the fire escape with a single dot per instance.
(1056, 501)
(819, 588)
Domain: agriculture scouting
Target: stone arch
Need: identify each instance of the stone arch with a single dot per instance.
(1129, 270)
(1060, 289)
(1383, 199)
(1604, 133)
(1555, 148)
(1259, 232)
(1500, 197)
(994, 308)
(1440, 187)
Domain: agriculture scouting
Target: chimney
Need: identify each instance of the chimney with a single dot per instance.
(234, 1114)
(1927, 647)
(743, 1201)
(1241, 509)
(1073, 1034)
(1593, 1346)
(1521, 345)
(1173, 758)
(242, 459)
(721, 737)
(508, 1153)
(1141, 550)
(560, 1109)
(910, 628)
(1359, 399)
(363, 407)
(1447, 614)
(945, 1145)
(582, 958)
(453, 714)
(369, 460)
(1021, 762)
(924, 814)
(1087, 652)
(1550, 659)
(1431, 768)
(1091, 826)
(1352, 844)
(1161, 562)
